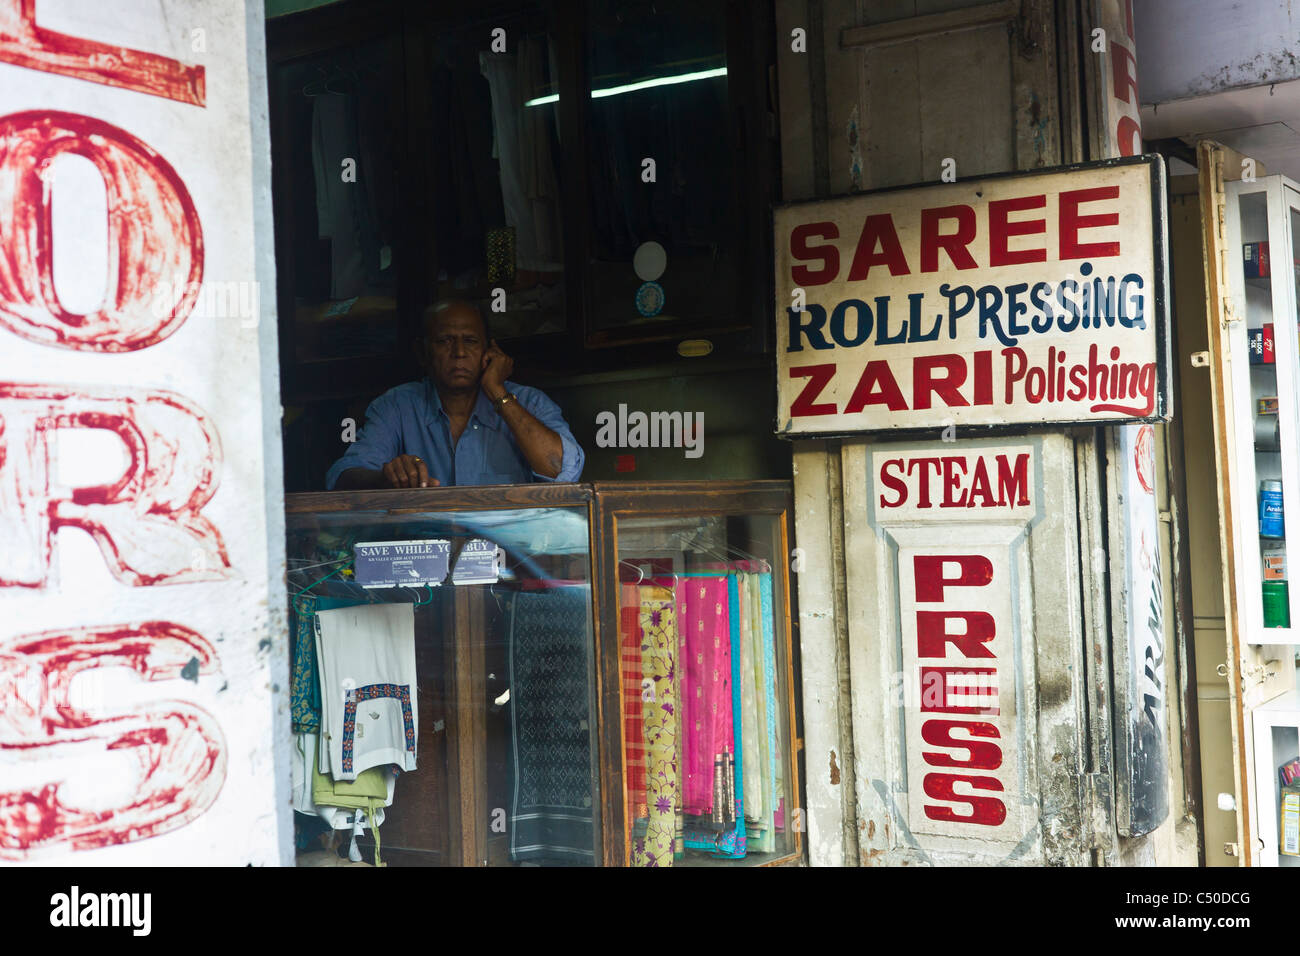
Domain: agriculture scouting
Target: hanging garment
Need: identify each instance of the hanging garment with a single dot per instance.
(659, 718)
(466, 188)
(354, 806)
(551, 747)
(364, 796)
(629, 641)
(760, 766)
(368, 687)
(537, 160)
(377, 138)
(304, 683)
(773, 783)
(339, 216)
(732, 844)
(729, 764)
(524, 158)
(705, 646)
(746, 633)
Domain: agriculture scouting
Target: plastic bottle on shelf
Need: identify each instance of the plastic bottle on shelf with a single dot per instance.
(1271, 523)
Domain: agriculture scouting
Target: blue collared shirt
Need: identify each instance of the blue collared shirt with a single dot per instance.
(409, 420)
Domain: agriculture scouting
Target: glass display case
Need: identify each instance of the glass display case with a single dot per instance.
(496, 655)
(696, 599)
(491, 676)
(1277, 779)
(1262, 220)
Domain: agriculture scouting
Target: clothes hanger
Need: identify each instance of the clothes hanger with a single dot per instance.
(733, 552)
(308, 567)
(317, 87)
(319, 580)
(696, 545)
(763, 562)
(417, 594)
(322, 86)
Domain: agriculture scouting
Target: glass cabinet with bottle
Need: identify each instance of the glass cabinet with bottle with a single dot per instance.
(1263, 218)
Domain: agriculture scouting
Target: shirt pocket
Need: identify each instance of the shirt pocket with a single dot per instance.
(502, 465)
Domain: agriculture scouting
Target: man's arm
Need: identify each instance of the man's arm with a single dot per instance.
(568, 459)
(404, 471)
(358, 479)
(537, 435)
(540, 445)
(375, 459)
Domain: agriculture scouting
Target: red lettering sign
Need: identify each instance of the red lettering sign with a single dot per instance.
(148, 523)
(972, 571)
(1001, 229)
(826, 253)
(985, 811)
(24, 43)
(953, 243)
(958, 690)
(818, 376)
(155, 243)
(1072, 221)
(177, 748)
(879, 244)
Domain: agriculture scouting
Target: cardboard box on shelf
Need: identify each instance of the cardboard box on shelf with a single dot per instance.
(1255, 260)
(1275, 565)
(1289, 814)
(1260, 342)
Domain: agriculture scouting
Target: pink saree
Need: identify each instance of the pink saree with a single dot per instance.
(706, 698)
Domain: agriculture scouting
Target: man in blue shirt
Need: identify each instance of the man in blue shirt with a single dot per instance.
(464, 424)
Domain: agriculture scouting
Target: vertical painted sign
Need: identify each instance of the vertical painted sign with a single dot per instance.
(957, 519)
(1123, 109)
(1141, 752)
(141, 647)
(1142, 760)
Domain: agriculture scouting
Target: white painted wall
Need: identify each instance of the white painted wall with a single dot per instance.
(188, 712)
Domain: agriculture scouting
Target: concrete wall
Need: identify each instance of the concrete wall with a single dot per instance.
(1197, 47)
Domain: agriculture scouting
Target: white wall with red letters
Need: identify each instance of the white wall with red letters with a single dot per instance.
(143, 662)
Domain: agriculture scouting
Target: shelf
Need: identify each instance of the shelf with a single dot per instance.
(1281, 711)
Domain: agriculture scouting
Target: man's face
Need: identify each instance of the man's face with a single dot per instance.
(455, 345)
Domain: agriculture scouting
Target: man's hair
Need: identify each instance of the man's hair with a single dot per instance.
(444, 305)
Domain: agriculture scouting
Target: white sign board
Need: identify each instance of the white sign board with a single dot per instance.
(957, 518)
(1028, 299)
(143, 662)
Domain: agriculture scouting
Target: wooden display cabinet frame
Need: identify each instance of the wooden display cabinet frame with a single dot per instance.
(606, 503)
(615, 501)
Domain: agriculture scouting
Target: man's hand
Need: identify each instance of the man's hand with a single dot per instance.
(407, 471)
(497, 367)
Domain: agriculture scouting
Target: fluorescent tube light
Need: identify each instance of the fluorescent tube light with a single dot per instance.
(639, 85)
